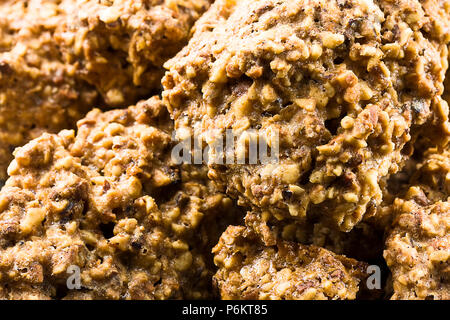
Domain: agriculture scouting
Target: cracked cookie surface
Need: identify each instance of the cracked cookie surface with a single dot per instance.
(250, 270)
(109, 201)
(417, 250)
(346, 85)
(60, 58)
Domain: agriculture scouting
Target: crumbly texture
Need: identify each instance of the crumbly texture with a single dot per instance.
(60, 58)
(427, 169)
(38, 92)
(433, 175)
(250, 270)
(109, 201)
(348, 85)
(119, 46)
(354, 90)
(363, 243)
(418, 249)
(447, 86)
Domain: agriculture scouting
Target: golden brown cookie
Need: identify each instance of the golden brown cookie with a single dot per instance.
(38, 92)
(250, 270)
(120, 46)
(418, 243)
(109, 202)
(346, 85)
(60, 58)
(418, 249)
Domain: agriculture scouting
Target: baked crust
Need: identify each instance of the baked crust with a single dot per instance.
(417, 249)
(353, 89)
(109, 201)
(38, 92)
(60, 58)
(344, 83)
(364, 243)
(120, 46)
(290, 271)
(418, 242)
